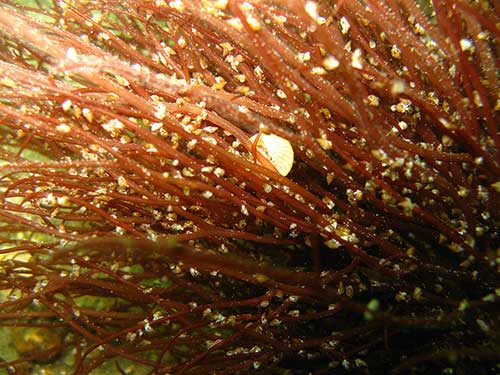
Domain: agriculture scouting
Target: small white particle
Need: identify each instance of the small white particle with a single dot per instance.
(122, 182)
(281, 94)
(87, 114)
(312, 9)
(220, 4)
(483, 325)
(155, 126)
(318, 71)
(66, 105)
(466, 45)
(356, 60)
(330, 62)
(324, 143)
(71, 54)
(219, 172)
(161, 111)
(448, 125)
(63, 128)
(395, 52)
(303, 56)
(113, 125)
(236, 23)
(207, 194)
(397, 87)
(373, 100)
(177, 4)
(344, 25)
(254, 23)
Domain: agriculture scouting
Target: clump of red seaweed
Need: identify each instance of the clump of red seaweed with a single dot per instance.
(135, 219)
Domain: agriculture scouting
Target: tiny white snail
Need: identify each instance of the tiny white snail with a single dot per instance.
(272, 152)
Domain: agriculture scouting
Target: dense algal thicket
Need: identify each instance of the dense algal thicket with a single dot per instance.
(143, 230)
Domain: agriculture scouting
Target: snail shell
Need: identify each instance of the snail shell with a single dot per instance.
(277, 150)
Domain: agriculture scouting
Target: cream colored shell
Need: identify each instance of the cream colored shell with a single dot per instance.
(277, 150)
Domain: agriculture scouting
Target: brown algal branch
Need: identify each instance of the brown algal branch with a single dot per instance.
(473, 78)
(67, 316)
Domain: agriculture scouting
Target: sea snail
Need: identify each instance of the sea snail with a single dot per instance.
(273, 152)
